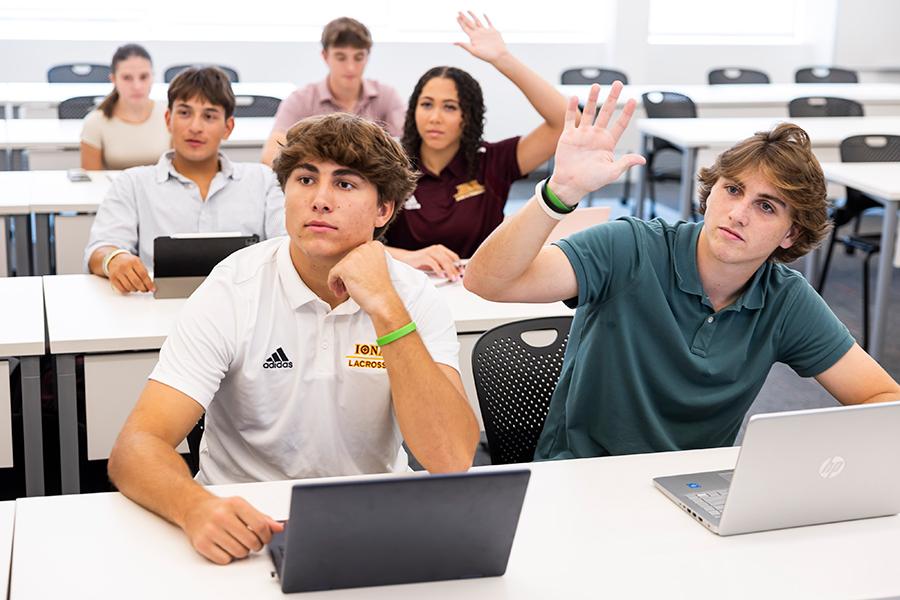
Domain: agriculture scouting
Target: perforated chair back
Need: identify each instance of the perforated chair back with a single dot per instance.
(78, 107)
(255, 106)
(78, 73)
(825, 75)
(172, 71)
(589, 75)
(735, 75)
(824, 106)
(871, 148)
(515, 380)
(668, 105)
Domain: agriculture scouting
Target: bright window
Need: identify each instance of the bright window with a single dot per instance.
(728, 22)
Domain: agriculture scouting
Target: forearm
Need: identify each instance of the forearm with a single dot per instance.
(435, 419)
(95, 264)
(883, 397)
(549, 103)
(150, 472)
(509, 251)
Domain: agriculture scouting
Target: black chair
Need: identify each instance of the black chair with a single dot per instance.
(664, 105)
(589, 75)
(729, 75)
(515, 380)
(79, 73)
(255, 106)
(78, 107)
(172, 71)
(825, 75)
(824, 106)
(860, 148)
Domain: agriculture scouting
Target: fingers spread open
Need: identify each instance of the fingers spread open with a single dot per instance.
(624, 118)
(609, 105)
(590, 107)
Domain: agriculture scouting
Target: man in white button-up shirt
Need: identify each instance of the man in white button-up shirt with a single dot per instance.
(193, 188)
(312, 355)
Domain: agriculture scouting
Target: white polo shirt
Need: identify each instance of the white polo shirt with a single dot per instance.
(292, 388)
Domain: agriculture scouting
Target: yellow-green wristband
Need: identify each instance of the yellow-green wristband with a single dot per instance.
(396, 334)
(553, 201)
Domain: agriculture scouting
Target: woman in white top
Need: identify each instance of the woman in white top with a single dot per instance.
(128, 129)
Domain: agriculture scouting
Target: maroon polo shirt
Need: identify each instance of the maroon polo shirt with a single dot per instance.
(454, 209)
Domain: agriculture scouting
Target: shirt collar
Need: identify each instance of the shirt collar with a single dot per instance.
(165, 168)
(456, 168)
(685, 260)
(368, 91)
(297, 292)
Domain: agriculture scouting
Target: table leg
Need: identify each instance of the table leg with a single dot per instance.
(68, 424)
(23, 244)
(686, 193)
(642, 174)
(885, 274)
(42, 244)
(32, 425)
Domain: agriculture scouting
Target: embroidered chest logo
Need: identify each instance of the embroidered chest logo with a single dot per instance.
(278, 360)
(468, 189)
(365, 356)
(411, 204)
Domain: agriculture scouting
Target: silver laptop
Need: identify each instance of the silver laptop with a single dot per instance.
(800, 468)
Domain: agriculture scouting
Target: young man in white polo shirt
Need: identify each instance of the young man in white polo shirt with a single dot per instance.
(312, 355)
(193, 188)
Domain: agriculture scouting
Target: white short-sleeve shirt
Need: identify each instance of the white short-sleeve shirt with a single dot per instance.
(292, 389)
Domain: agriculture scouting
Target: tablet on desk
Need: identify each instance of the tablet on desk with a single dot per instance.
(181, 262)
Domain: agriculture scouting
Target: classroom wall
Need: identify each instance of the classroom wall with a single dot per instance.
(400, 64)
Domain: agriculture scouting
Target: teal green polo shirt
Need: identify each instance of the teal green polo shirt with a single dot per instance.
(651, 366)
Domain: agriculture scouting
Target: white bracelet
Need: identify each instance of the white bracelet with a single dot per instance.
(108, 258)
(540, 200)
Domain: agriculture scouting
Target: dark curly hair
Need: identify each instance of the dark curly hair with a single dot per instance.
(471, 102)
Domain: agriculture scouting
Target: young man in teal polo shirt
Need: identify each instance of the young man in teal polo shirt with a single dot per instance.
(676, 326)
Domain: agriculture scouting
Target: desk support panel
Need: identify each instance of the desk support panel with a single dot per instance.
(30, 369)
(68, 424)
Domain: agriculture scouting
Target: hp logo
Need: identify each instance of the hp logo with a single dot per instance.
(831, 467)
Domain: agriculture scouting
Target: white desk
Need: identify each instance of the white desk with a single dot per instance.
(594, 528)
(7, 525)
(761, 99)
(55, 137)
(86, 316)
(42, 95)
(690, 135)
(882, 182)
(22, 337)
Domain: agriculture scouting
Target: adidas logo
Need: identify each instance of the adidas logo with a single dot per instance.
(278, 360)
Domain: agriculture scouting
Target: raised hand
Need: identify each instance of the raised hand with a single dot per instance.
(585, 159)
(485, 42)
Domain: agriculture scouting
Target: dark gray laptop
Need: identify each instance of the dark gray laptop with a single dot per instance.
(800, 468)
(399, 529)
(181, 262)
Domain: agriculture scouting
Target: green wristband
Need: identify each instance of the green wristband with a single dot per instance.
(396, 334)
(553, 200)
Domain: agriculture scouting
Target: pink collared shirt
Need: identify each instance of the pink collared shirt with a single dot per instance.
(379, 103)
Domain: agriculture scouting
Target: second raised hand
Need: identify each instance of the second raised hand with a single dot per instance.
(485, 42)
(585, 155)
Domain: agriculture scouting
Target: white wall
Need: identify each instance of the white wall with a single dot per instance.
(400, 64)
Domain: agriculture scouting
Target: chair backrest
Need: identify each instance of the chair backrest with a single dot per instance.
(515, 380)
(668, 105)
(255, 106)
(736, 75)
(871, 148)
(824, 106)
(79, 73)
(78, 107)
(172, 71)
(825, 75)
(589, 75)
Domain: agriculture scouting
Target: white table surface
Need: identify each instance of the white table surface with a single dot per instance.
(39, 92)
(7, 524)
(594, 528)
(22, 316)
(725, 132)
(756, 95)
(85, 315)
(35, 134)
(52, 192)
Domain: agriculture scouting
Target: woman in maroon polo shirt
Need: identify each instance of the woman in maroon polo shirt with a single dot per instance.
(465, 181)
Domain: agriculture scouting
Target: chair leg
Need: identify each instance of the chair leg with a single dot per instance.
(827, 264)
(869, 255)
(626, 193)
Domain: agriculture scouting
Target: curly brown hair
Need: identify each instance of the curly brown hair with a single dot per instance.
(471, 103)
(784, 157)
(355, 143)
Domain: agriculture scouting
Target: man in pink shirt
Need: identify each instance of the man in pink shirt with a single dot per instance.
(345, 47)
